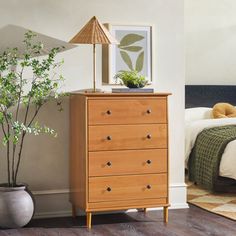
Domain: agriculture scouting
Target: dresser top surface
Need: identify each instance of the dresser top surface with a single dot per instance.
(109, 94)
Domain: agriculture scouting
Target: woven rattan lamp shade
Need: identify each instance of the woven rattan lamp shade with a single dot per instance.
(94, 33)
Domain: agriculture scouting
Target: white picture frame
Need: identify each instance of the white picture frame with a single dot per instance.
(133, 52)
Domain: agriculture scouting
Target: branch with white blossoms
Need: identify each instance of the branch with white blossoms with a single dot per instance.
(20, 97)
(35, 129)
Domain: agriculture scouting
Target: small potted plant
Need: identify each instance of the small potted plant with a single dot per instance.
(131, 79)
(21, 100)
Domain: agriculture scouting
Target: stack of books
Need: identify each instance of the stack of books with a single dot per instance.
(132, 90)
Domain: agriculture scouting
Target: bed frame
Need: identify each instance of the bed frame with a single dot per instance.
(209, 95)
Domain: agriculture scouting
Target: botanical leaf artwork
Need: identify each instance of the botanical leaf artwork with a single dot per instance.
(126, 46)
(132, 48)
(139, 62)
(125, 56)
(130, 39)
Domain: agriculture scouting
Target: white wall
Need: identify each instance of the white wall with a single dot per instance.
(45, 165)
(210, 27)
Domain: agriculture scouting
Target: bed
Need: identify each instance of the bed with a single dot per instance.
(198, 119)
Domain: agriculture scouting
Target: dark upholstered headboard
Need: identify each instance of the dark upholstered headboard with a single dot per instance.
(208, 95)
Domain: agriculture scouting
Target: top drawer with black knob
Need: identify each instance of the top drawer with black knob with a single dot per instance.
(127, 111)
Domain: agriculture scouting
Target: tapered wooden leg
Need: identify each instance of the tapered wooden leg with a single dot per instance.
(145, 210)
(89, 220)
(74, 210)
(165, 214)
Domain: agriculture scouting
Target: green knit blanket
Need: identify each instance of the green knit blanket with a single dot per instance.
(206, 155)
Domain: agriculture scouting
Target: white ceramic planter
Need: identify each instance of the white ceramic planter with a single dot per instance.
(16, 207)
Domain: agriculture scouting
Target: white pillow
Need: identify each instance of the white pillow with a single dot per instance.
(198, 113)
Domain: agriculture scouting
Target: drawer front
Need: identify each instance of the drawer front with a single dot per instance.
(118, 137)
(106, 163)
(125, 111)
(131, 187)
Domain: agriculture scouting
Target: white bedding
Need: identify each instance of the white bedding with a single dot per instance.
(228, 161)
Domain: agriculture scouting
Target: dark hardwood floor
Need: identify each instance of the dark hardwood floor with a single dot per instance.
(183, 222)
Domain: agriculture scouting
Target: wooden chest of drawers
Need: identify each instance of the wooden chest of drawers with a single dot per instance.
(118, 152)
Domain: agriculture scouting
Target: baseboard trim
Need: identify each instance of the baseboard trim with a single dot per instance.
(50, 192)
(47, 208)
(172, 206)
(179, 206)
(53, 214)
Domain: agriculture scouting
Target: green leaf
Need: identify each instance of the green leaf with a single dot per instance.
(130, 39)
(139, 62)
(126, 58)
(132, 48)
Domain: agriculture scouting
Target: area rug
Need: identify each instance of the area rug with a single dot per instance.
(220, 203)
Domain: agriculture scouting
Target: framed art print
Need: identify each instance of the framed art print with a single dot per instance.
(134, 52)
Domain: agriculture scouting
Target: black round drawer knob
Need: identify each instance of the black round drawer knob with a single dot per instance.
(149, 136)
(108, 189)
(109, 137)
(149, 111)
(149, 161)
(108, 112)
(149, 186)
(108, 163)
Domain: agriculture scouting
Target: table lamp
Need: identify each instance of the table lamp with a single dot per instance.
(94, 33)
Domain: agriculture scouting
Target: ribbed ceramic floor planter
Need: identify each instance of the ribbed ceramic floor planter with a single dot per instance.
(16, 207)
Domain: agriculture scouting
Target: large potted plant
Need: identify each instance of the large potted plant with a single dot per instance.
(20, 102)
